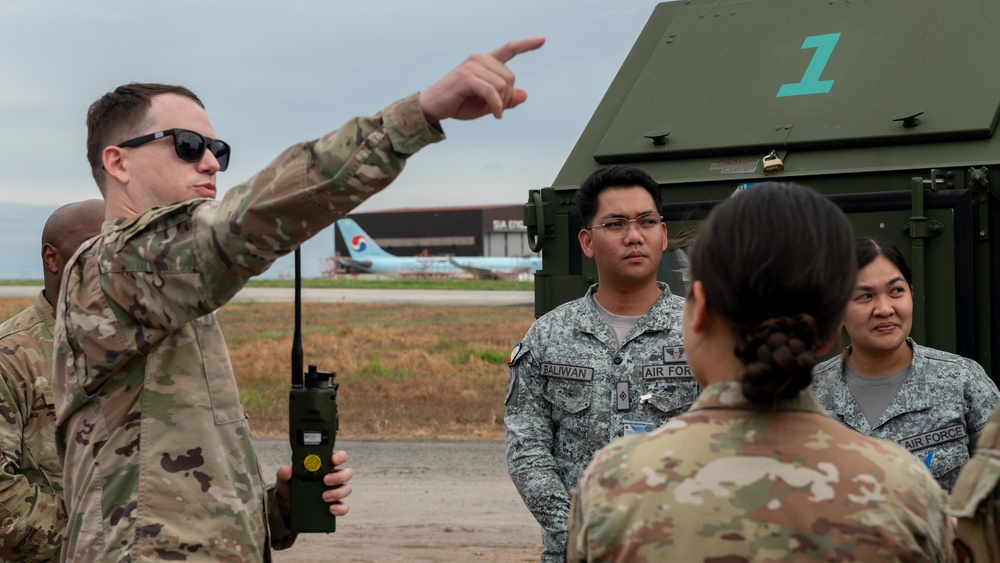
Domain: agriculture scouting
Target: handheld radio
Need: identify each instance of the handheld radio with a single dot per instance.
(312, 432)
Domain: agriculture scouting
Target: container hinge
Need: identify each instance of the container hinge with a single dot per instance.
(979, 182)
(922, 227)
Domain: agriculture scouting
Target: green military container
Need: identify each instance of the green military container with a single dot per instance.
(888, 107)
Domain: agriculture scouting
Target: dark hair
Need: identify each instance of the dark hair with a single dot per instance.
(776, 264)
(118, 115)
(867, 249)
(613, 177)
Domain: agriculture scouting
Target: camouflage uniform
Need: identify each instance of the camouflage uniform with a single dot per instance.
(160, 463)
(572, 390)
(976, 498)
(729, 482)
(942, 407)
(32, 517)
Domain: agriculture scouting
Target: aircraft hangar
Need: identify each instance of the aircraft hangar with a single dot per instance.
(494, 230)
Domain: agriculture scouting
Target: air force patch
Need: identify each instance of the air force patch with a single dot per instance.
(934, 438)
(674, 365)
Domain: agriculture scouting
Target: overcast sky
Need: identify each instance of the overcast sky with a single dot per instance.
(274, 73)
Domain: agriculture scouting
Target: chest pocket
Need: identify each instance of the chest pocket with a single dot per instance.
(947, 461)
(40, 446)
(672, 396)
(570, 402)
(222, 390)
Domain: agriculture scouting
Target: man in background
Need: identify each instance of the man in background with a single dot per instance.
(160, 463)
(609, 364)
(32, 517)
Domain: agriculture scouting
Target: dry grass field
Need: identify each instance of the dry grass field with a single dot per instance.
(413, 371)
(405, 371)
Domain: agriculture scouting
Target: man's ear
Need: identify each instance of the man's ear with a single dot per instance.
(115, 163)
(663, 226)
(51, 259)
(586, 238)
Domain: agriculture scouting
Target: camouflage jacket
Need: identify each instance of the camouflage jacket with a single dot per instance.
(572, 390)
(729, 482)
(975, 501)
(32, 517)
(160, 463)
(941, 407)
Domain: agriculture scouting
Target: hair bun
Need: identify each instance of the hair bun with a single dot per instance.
(779, 355)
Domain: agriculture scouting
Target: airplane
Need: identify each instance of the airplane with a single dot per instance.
(368, 257)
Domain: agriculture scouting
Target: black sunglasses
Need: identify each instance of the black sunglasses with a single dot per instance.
(189, 145)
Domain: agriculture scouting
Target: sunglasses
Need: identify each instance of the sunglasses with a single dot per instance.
(190, 146)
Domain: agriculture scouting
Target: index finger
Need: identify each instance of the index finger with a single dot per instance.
(509, 50)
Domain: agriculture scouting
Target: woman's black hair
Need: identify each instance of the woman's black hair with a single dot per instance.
(867, 249)
(777, 264)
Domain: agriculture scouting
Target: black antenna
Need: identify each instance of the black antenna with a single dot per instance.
(297, 370)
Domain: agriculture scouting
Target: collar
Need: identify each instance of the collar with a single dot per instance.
(661, 316)
(728, 395)
(45, 312)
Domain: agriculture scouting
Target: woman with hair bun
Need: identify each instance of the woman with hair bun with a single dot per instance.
(756, 470)
(887, 386)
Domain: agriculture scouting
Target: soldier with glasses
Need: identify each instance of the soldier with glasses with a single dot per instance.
(603, 366)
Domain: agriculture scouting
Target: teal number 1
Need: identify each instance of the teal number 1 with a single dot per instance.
(810, 83)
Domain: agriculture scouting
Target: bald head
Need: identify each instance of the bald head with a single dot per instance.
(64, 232)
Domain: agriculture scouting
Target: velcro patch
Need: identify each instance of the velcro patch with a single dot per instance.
(674, 354)
(934, 437)
(666, 371)
(511, 386)
(623, 396)
(574, 373)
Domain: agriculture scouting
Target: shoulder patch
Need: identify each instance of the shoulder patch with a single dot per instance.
(513, 354)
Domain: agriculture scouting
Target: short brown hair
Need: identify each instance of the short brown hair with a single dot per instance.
(118, 115)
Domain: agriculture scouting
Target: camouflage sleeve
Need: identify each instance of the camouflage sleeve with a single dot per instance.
(304, 190)
(31, 518)
(280, 536)
(576, 539)
(975, 500)
(178, 263)
(981, 397)
(530, 462)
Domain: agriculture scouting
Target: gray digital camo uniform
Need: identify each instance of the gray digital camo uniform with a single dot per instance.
(941, 407)
(976, 498)
(32, 518)
(728, 482)
(160, 463)
(572, 390)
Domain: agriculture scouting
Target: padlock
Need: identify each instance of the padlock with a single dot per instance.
(772, 164)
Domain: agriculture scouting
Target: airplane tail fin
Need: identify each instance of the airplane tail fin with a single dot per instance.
(359, 245)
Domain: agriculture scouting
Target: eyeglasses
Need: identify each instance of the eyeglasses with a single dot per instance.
(646, 224)
(189, 145)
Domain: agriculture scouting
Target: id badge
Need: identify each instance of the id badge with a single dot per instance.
(632, 427)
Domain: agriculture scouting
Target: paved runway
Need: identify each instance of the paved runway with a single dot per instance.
(311, 294)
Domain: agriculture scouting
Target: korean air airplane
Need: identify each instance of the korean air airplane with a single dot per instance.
(368, 257)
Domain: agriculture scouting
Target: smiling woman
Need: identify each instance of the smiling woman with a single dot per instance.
(885, 385)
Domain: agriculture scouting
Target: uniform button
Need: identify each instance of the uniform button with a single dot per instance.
(618, 360)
